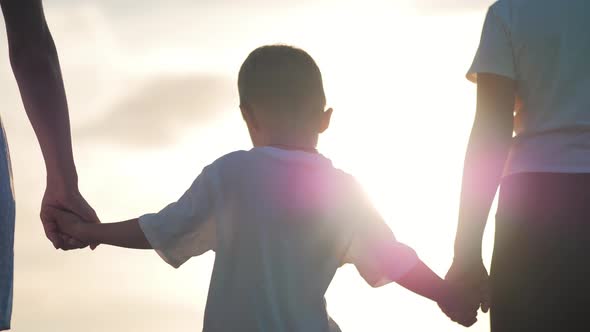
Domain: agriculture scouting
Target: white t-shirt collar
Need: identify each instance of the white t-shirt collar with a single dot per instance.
(293, 155)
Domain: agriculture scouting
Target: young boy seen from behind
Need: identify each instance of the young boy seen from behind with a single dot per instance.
(280, 218)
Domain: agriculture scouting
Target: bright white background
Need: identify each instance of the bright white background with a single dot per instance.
(153, 99)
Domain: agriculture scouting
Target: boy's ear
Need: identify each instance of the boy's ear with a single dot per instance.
(249, 118)
(325, 120)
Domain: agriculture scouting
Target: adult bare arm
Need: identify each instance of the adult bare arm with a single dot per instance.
(36, 67)
(486, 156)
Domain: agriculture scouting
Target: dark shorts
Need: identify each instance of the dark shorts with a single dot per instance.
(6, 234)
(540, 274)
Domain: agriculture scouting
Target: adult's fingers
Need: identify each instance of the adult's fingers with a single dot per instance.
(51, 230)
(56, 241)
(468, 322)
(77, 205)
(466, 319)
(486, 296)
(93, 218)
(84, 210)
(49, 217)
(81, 207)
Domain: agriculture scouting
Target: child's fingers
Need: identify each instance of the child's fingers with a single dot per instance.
(65, 240)
(72, 243)
(76, 243)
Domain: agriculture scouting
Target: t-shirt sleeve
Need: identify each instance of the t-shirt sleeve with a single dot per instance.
(185, 228)
(495, 53)
(374, 250)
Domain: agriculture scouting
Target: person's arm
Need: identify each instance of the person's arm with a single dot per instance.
(381, 260)
(36, 67)
(127, 234)
(487, 151)
(489, 144)
(423, 281)
(418, 278)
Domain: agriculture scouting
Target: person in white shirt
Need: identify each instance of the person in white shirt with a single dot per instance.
(280, 218)
(531, 135)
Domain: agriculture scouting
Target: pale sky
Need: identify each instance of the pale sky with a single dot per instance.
(153, 99)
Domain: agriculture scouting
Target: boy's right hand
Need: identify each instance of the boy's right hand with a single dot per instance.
(459, 306)
(70, 224)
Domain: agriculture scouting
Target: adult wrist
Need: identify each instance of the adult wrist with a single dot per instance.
(62, 183)
(467, 251)
(466, 262)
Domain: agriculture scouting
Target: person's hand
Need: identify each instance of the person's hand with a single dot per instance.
(67, 200)
(70, 224)
(472, 278)
(460, 306)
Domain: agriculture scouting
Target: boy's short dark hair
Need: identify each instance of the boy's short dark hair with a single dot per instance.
(281, 77)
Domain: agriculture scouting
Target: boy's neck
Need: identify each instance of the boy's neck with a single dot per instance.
(285, 141)
(294, 148)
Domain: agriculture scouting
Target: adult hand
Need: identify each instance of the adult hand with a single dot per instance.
(67, 200)
(471, 278)
(459, 306)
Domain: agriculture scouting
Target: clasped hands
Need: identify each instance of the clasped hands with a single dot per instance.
(56, 200)
(469, 281)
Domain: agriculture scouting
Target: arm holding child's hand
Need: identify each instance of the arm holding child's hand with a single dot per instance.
(127, 234)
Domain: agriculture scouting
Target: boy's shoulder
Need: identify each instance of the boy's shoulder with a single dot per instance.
(233, 160)
(232, 157)
(260, 158)
(296, 170)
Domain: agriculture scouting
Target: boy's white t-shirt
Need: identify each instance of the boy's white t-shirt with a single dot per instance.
(544, 45)
(281, 223)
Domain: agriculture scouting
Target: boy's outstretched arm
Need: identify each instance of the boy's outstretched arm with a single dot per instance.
(125, 234)
(420, 279)
(423, 281)
(383, 260)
